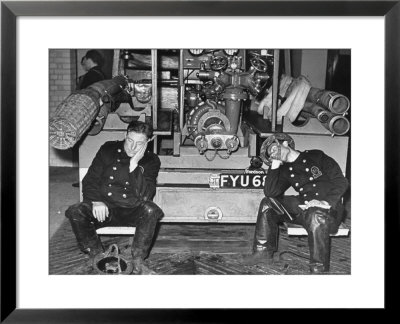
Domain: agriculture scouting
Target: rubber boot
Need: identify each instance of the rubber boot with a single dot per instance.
(145, 229)
(84, 229)
(262, 256)
(317, 221)
(265, 241)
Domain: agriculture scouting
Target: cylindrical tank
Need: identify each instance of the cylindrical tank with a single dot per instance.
(232, 112)
(233, 100)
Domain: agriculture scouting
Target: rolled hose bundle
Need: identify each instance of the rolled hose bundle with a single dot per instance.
(75, 114)
(72, 118)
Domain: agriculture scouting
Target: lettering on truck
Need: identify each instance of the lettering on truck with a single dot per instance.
(240, 181)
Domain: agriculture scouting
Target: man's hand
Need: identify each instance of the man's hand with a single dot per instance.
(275, 164)
(100, 210)
(137, 157)
(318, 203)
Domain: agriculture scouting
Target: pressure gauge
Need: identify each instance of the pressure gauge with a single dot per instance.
(231, 52)
(196, 51)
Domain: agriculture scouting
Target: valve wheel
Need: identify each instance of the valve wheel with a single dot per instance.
(219, 63)
(259, 64)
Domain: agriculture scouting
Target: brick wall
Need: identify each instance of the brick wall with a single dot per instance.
(62, 81)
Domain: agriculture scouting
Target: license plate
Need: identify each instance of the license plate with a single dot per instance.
(238, 181)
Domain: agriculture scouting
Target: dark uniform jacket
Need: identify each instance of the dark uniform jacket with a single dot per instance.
(108, 178)
(314, 175)
(95, 74)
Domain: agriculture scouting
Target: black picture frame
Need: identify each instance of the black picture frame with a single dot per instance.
(11, 10)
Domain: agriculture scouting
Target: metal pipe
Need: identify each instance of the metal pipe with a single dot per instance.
(333, 101)
(232, 112)
(317, 111)
(116, 63)
(154, 86)
(182, 91)
(288, 63)
(275, 87)
(167, 82)
(336, 124)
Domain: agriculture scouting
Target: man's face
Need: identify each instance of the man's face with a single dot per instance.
(84, 64)
(87, 64)
(134, 142)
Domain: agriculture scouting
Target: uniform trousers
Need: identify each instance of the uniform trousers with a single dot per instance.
(144, 217)
(318, 222)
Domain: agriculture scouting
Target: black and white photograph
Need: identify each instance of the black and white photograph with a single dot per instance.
(200, 161)
(164, 159)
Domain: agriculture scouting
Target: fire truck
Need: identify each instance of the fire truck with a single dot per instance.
(212, 111)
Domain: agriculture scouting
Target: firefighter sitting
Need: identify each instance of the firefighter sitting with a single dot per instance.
(320, 185)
